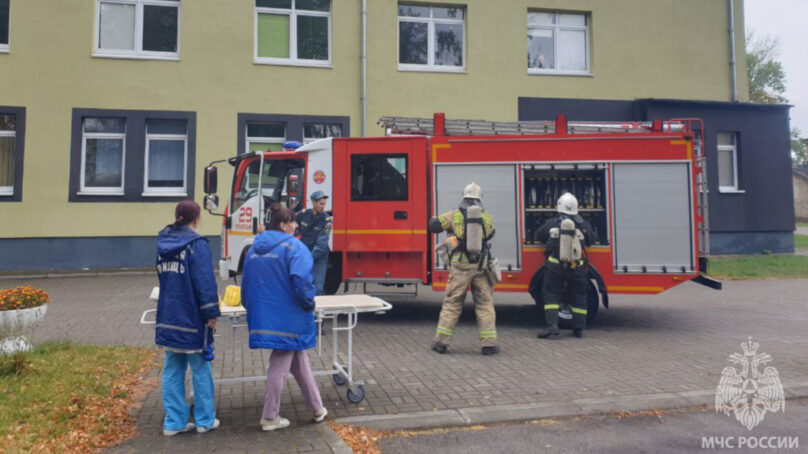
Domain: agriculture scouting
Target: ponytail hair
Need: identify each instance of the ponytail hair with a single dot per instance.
(186, 212)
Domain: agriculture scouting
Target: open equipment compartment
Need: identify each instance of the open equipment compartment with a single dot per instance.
(544, 184)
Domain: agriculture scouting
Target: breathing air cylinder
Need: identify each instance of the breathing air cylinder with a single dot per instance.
(569, 244)
(474, 229)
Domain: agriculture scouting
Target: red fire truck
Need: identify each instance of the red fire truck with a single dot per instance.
(642, 186)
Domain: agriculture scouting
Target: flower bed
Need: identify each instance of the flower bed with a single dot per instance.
(22, 297)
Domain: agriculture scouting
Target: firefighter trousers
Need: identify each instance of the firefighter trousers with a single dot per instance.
(568, 284)
(461, 277)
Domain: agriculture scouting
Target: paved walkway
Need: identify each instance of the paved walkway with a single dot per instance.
(662, 345)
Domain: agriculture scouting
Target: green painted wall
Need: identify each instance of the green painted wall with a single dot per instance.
(640, 48)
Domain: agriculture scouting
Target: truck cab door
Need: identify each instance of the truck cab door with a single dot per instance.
(385, 208)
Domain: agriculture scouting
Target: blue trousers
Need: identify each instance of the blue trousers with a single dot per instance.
(319, 270)
(174, 390)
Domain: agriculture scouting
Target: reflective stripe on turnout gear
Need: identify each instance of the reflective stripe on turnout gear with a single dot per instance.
(550, 307)
(488, 334)
(445, 331)
(574, 264)
(579, 311)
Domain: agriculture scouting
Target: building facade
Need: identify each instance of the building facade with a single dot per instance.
(107, 119)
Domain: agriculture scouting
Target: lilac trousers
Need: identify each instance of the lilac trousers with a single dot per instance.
(281, 363)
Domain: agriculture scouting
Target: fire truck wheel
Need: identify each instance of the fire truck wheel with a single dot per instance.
(333, 277)
(592, 303)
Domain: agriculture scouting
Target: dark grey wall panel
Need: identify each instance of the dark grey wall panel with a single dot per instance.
(751, 242)
(764, 163)
(44, 254)
(536, 109)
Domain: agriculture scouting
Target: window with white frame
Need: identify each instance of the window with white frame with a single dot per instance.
(166, 157)
(314, 131)
(727, 161)
(4, 25)
(431, 38)
(138, 28)
(8, 146)
(293, 32)
(557, 43)
(103, 155)
(265, 137)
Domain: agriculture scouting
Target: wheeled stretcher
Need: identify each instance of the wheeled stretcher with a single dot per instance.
(342, 310)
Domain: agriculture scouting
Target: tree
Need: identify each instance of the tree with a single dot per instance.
(799, 149)
(767, 79)
(767, 83)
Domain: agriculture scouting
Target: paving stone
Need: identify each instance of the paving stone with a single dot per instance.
(673, 343)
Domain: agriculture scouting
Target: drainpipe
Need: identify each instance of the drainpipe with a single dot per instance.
(732, 63)
(364, 59)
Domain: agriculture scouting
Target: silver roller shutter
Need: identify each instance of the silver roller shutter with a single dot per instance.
(499, 198)
(652, 217)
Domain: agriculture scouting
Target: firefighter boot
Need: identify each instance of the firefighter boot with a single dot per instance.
(440, 348)
(551, 330)
(578, 332)
(491, 350)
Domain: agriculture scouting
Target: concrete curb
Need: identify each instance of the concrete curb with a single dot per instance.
(541, 410)
(63, 274)
(334, 441)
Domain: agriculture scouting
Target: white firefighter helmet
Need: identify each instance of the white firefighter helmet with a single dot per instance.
(568, 204)
(472, 191)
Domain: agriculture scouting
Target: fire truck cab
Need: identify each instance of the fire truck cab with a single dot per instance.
(641, 186)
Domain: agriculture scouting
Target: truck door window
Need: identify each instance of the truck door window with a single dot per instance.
(378, 177)
(272, 179)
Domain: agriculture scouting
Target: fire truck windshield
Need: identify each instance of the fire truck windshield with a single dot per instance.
(272, 179)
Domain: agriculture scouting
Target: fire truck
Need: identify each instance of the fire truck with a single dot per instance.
(642, 186)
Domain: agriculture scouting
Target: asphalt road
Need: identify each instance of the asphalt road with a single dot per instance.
(668, 432)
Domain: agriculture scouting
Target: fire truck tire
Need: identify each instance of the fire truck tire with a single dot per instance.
(241, 260)
(333, 277)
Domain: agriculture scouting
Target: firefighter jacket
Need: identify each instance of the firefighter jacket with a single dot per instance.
(453, 222)
(277, 289)
(543, 235)
(314, 232)
(188, 294)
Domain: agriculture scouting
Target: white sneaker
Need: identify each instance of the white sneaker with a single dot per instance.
(320, 416)
(215, 425)
(272, 424)
(170, 433)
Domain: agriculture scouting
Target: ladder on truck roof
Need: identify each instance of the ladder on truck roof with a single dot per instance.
(426, 126)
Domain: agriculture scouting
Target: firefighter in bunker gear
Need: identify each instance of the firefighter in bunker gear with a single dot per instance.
(565, 236)
(468, 263)
(315, 229)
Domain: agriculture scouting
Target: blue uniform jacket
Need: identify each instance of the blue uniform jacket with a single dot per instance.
(314, 232)
(188, 294)
(277, 289)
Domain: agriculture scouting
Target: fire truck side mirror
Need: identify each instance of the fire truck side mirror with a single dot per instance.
(211, 202)
(210, 180)
(292, 185)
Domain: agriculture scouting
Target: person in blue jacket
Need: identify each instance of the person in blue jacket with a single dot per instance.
(277, 290)
(186, 313)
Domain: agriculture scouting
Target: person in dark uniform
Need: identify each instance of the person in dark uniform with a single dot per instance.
(567, 272)
(314, 229)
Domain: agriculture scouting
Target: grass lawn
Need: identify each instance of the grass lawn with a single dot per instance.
(771, 266)
(800, 241)
(70, 398)
(802, 224)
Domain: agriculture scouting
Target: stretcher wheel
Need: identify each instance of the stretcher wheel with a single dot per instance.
(339, 379)
(357, 397)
